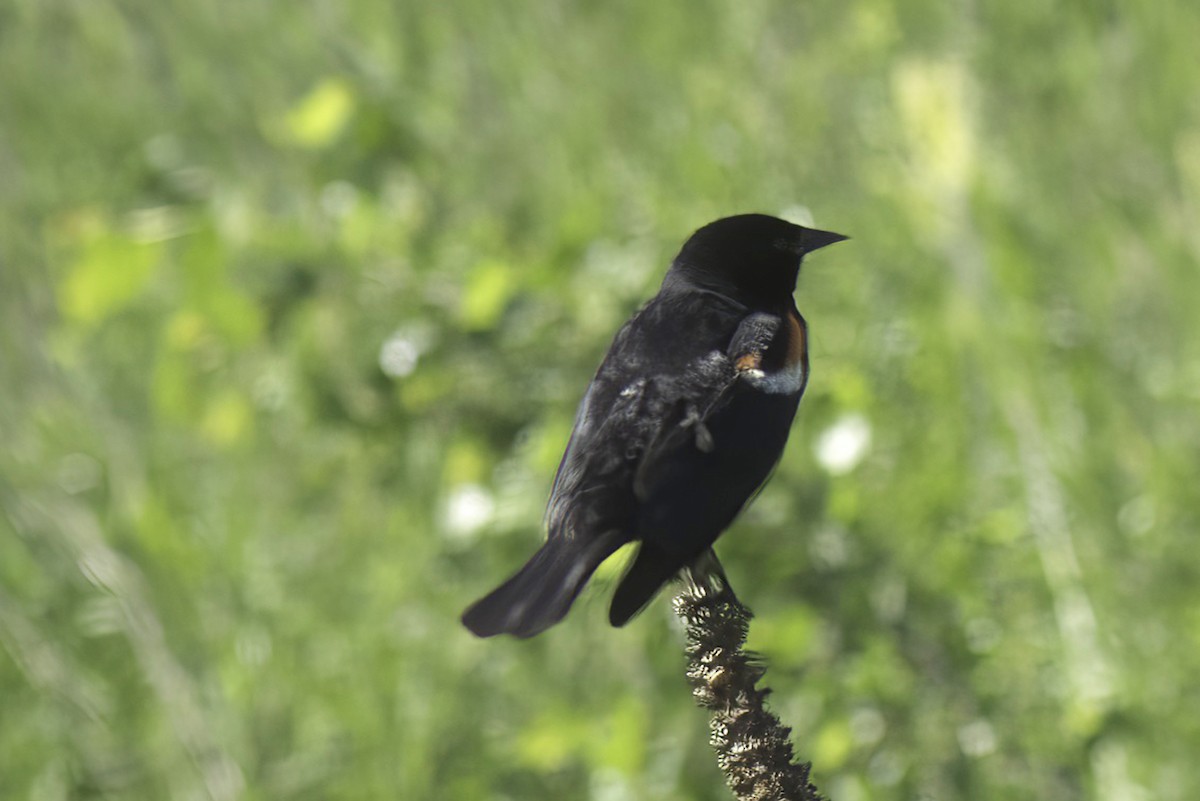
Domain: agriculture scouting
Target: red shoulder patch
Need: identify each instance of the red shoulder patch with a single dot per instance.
(797, 344)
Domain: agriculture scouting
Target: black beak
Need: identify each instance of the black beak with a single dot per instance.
(815, 240)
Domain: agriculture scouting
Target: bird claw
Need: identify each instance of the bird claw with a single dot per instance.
(704, 438)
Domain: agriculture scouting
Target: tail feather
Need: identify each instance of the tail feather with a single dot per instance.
(651, 569)
(541, 593)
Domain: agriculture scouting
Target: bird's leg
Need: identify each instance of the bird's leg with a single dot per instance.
(706, 577)
(695, 420)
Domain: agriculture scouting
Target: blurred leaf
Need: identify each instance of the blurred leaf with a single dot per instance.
(832, 745)
(319, 117)
(228, 418)
(554, 740)
(110, 270)
(488, 289)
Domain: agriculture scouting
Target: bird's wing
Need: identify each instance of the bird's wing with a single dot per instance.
(717, 444)
(653, 366)
(700, 393)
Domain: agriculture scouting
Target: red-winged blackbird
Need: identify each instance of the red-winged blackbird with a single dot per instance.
(685, 419)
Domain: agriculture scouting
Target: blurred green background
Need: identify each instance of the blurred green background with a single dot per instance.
(297, 299)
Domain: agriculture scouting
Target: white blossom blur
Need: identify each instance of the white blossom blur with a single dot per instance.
(843, 445)
(469, 508)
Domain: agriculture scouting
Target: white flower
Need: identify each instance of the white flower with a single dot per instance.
(844, 444)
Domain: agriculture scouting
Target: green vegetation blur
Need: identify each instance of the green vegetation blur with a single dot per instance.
(297, 300)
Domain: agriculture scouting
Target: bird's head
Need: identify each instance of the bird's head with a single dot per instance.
(750, 257)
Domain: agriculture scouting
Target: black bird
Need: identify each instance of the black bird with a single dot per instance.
(685, 419)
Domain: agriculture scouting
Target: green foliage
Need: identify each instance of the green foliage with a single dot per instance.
(296, 302)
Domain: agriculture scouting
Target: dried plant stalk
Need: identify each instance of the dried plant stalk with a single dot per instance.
(751, 743)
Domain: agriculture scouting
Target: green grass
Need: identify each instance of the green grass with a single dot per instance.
(233, 547)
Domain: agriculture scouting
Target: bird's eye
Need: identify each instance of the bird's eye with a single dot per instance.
(787, 245)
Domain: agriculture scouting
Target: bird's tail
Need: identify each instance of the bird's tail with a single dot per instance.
(540, 593)
(653, 568)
